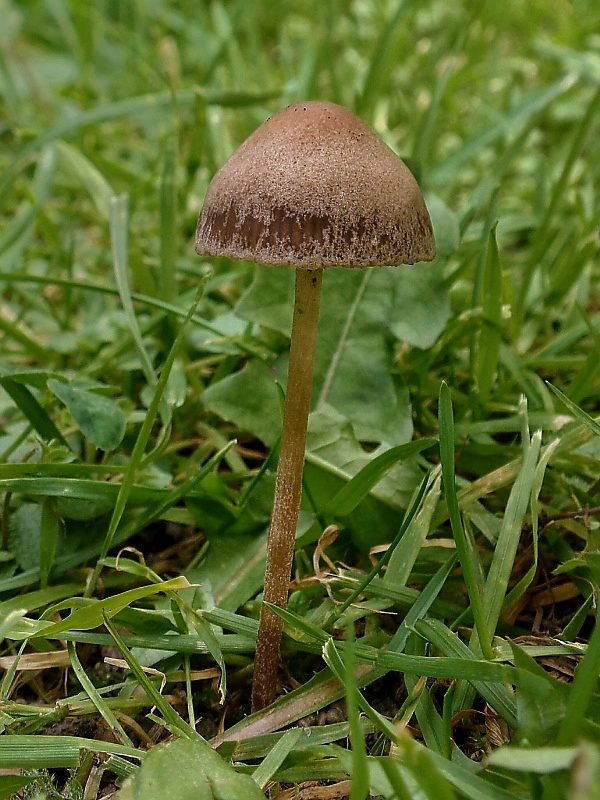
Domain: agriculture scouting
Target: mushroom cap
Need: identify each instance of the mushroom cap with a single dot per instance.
(315, 187)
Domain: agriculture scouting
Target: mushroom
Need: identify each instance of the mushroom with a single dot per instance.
(312, 187)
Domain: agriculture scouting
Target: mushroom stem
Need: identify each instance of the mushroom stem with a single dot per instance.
(288, 487)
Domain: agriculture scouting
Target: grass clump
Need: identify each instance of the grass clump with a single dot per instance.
(442, 615)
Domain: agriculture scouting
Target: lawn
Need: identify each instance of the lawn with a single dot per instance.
(439, 640)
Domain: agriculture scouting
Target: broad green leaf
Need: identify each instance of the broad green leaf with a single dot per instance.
(187, 769)
(541, 760)
(446, 228)
(420, 305)
(249, 398)
(25, 535)
(269, 300)
(334, 455)
(35, 536)
(359, 309)
(99, 418)
(233, 569)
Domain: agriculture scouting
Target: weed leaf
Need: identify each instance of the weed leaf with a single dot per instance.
(99, 418)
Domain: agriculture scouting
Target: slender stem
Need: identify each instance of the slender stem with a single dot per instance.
(288, 487)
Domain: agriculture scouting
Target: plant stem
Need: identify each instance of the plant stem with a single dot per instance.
(288, 487)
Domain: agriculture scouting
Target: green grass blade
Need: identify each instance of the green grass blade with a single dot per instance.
(509, 124)
(91, 691)
(50, 526)
(581, 691)
(40, 752)
(119, 224)
(172, 719)
(521, 587)
(93, 613)
(11, 785)
(397, 782)
(33, 411)
(465, 553)
(130, 107)
(421, 605)
(416, 759)
(110, 291)
(587, 378)
(442, 667)
(577, 412)
(345, 670)
(138, 452)
(97, 186)
(276, 756)
(491, 328)
(9, 675)
(381, 61)
(17, 333)
(360, 772)
(580, 134)
(408, 548)
(449, 643)
(502, 565)
(205, 632)
(426, 712)
(471, 785)
(411, 512)
(357, 488)
(168, 227)
(155, 511)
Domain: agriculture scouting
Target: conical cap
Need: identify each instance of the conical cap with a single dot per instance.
(314, 187)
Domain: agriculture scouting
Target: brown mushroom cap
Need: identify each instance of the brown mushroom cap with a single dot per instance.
(315, 187)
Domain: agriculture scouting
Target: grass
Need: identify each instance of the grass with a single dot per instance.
(440, 639)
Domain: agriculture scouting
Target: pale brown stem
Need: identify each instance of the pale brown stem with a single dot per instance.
(288, 487)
